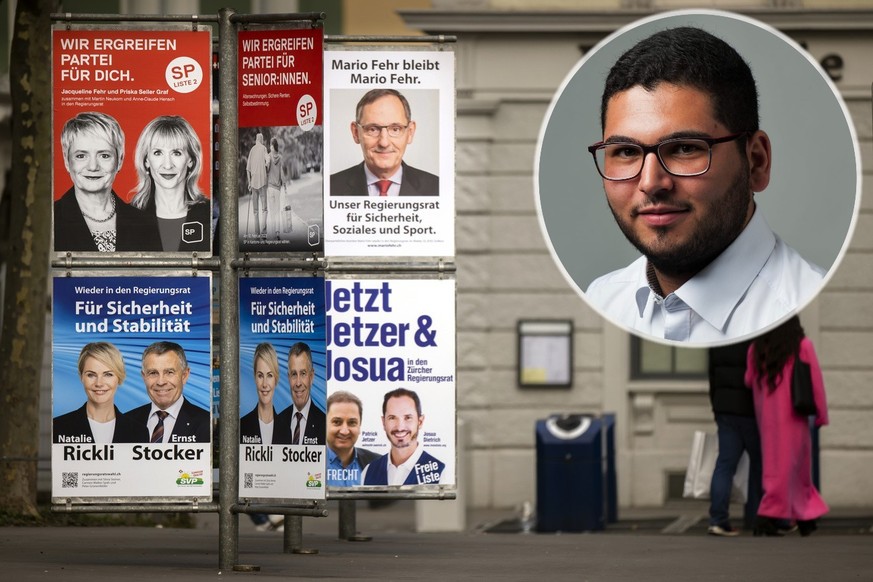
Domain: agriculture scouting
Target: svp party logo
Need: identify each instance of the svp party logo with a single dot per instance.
(313, 481)
(192, 479)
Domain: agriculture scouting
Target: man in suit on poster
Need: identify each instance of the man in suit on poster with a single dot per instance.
(383, 127)
(302, 423)
(169, 418)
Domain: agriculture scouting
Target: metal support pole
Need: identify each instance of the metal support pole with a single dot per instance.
(228, 522)
(135, 508)
(294, 536)
(348, 527)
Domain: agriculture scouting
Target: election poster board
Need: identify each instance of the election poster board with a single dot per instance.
(280, 139)
(127, 335)
(132, 139)
(282, 372)
(415, 152)
(391, 341)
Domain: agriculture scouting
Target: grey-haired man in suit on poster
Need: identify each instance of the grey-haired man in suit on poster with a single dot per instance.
(169, 418)
(383, 127)
(302, 423)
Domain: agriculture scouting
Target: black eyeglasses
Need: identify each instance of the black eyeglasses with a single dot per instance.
(374, 130)
(680, 156)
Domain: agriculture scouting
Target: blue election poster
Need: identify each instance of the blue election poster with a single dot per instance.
(282, 388)
(131, 388)
(391, 373)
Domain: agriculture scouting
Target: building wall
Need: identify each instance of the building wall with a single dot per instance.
(509, 67)
(510, 63)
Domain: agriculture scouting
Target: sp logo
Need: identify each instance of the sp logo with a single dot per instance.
(192, 232)
(184, 74)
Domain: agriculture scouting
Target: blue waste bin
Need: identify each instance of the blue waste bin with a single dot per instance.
(576, 480)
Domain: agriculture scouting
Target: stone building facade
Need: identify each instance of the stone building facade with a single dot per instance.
(511, 57)
(511, 60)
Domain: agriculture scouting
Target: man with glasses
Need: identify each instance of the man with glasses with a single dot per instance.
(383, 127)
(681, 158)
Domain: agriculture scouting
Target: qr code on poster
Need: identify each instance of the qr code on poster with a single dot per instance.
(248, 481)
(69, 480)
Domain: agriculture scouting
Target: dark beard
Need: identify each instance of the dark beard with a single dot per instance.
(714, 234)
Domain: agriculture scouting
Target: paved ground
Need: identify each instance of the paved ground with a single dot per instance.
(647, 546)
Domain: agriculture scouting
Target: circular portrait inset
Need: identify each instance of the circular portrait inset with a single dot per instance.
(698, 178)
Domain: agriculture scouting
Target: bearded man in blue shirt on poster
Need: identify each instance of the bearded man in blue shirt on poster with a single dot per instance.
(407, 463)
(681, 158)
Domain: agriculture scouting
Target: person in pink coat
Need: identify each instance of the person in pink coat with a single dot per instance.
(786, 444)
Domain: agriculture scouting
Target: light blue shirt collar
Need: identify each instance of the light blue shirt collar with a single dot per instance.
(715, 292)
(730, 275)
(756, 281)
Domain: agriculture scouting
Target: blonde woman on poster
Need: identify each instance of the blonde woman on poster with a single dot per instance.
(169, 160)
(256, 427)
(101, 370)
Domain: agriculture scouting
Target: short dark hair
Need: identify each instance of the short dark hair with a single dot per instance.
(375, 94)
(299, 349)
(691, 57)
(161, 348)
(343, 396)
(400, 393)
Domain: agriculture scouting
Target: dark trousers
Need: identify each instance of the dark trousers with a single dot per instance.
(735, 435)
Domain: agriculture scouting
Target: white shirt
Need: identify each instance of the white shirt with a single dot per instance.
(373, 187)
(103, 432)
(753, 283)
(397, 474)
(169, 422)
(305, 412)
(266, 431)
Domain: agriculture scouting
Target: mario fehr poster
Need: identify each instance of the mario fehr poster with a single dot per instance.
(389, 152)
(131, 388)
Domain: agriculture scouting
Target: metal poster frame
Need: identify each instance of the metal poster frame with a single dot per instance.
(226, 265)
(115, 317)
(101, 80)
